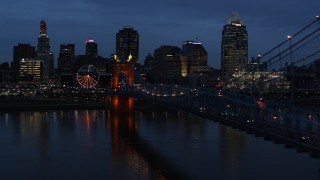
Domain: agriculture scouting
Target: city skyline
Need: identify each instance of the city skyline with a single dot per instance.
(157, 23)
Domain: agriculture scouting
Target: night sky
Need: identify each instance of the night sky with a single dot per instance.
(165, 22)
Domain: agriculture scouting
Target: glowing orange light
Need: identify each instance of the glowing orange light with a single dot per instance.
(115, 102)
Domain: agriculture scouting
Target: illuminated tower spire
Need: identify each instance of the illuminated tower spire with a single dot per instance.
(43, 39)
(234, 18)
(91, 47)
(43, 27)
(43, 52)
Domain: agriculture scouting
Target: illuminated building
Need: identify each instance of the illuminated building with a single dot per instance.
(127, 44)
(256, 65)
(66, 58)
(20, 52)
(43, 52)
(91, 48)
(30, 71)
(234, 46)
(260, 81)
(66, 62)
(194, 58)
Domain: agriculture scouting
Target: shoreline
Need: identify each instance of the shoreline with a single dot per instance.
(7, 105)
(34, 105)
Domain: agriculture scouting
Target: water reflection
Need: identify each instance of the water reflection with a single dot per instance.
(130, 150)
(148, 144)
(232, 147)
(109, 139)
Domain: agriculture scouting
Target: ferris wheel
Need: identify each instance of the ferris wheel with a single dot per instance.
(88, 76)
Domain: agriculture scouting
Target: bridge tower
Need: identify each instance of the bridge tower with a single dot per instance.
(122, 76)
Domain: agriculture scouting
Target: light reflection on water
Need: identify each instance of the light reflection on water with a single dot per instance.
(157, 144)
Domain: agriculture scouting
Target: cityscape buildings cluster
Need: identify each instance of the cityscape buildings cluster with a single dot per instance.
(168, 64)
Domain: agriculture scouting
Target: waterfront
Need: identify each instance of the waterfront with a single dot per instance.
(144, 144)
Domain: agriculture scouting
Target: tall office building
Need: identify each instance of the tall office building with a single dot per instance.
(91, 48)
(43, 52)
(167, 64)
(22, 51)
(66, 58)
(127, 45)
(194, 58)
(234, 46)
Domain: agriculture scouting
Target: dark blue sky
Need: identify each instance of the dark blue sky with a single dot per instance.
(165, 22)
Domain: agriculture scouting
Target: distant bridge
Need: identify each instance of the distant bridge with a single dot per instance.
(278, 119)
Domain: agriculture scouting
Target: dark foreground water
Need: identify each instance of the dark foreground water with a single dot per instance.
(159, 144)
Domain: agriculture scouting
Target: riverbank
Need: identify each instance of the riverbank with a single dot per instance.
(14, 104)
(29, 104)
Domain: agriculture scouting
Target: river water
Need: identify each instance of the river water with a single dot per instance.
(144, 144)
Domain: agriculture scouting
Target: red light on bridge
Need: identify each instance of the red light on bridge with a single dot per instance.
(218, 85)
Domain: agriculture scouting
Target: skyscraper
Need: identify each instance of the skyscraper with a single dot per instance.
(66, 58)
(234, 46)
(22, 51)
(127, 45)
(43, 52)
(167, 64)
(194, 58)
(91, 48)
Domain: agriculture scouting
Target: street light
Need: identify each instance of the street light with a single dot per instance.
(291, 70)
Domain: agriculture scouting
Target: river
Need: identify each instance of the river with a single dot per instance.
(142, 144)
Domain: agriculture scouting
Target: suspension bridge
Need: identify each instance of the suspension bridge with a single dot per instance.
(260, 100)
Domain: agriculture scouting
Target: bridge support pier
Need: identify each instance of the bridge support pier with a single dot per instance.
(120, 103)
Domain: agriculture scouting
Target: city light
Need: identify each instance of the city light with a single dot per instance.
(89, 40)
(274, 117)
